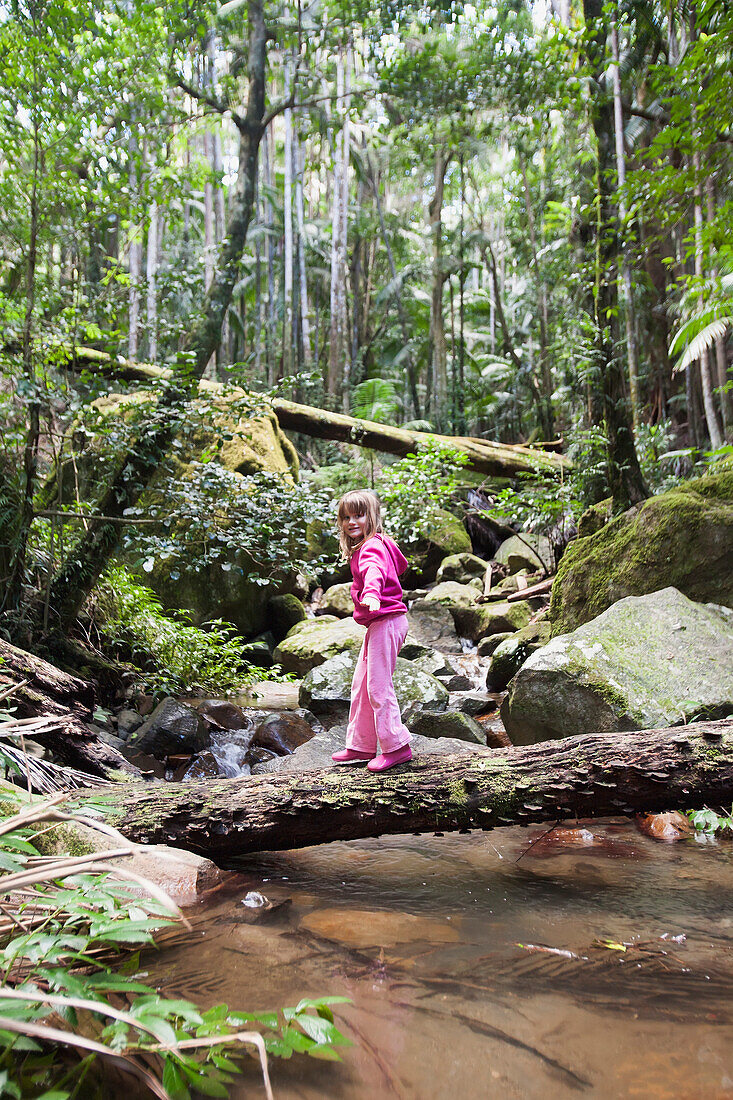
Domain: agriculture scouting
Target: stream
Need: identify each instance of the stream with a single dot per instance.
(423, 934)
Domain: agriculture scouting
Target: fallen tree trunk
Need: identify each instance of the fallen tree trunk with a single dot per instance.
(592, 776)
(492, 459)
(33, 688)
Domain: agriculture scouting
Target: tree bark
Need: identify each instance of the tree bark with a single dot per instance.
(485, 456)
(438, 351)
(45, 691)
(592, 776)
(288, 311)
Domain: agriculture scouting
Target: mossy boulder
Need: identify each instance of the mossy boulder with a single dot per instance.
(510, 655)
(482, 619)
(326, 689)
(431, 625)
(461, 567)
(648, 661)
(453, 594)
(449, 723)
(682, 538)
(283, 613)
(337, 600)
(439, 535)
(530, 552)
(314, 641)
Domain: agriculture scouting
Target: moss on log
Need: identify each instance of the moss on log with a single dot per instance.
(589, 776)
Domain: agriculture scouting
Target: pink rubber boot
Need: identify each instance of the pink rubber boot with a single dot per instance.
(386, 760)
(349, 756)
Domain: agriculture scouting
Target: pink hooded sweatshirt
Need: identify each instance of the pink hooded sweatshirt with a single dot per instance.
(376, 567)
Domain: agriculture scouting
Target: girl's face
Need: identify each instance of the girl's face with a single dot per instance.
(355, 526)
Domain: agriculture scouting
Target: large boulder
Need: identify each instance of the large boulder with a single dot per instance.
(529, 551)
(431, 624)
(439, 534)
(491, 618)
(682, 538)
(173, 729)
(453, 594)
(510, 655)
(648, 661)
(461, 567)
(284, 612)
(447, 723)
(337, 601)
(326, 690)
(313, 641)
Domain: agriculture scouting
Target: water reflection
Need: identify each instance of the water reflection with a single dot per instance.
(423, 934)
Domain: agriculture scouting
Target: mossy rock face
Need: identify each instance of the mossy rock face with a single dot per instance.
(510, 654)
(337, 601)
(453, 594)
(283, 613)
(491, 618)
(326, 689)
(314, 641)
(440, 535)
(531, 552)
(449, 723)
(683, 538)
(649, 661)
(461, 567)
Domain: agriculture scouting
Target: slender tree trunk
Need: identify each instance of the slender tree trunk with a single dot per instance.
(628, 299)
(135, 254)
(627, 483)
(305, 325)
(711, 416)
(269, 172)
(721, 359)
(151, 267)
(288, 231)
(338, 349)
(438, 349)
(545, 406)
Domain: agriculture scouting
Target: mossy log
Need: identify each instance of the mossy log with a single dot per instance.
(37, 689)
(591, 776)
(486, 457)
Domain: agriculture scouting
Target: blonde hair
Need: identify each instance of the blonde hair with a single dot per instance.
(359, 502)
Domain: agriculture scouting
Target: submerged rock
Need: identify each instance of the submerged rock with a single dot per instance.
(174, 728)
(326, 689)
(316, 640)
(683, 538)
(649, 661)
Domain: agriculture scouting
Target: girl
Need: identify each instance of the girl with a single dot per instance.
(376, 563)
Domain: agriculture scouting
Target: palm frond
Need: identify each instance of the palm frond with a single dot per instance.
(700, 343)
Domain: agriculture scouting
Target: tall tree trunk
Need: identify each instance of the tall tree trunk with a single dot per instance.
(721, 358)
(135, 252)
(151, 268)
(625, 477)
(438, 351)
(270, 330)
(305, 325)
(711, 416)
(631, 351)
(338, 349)
(288, 231)
(81, 571)
(547, 421)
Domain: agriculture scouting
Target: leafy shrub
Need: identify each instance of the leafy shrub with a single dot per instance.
(417, 485)
(175, 655)
(708, 821)
(62, 940)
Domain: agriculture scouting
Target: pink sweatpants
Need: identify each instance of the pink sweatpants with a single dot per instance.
(375, 715)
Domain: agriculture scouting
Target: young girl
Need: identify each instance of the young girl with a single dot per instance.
(376, 563)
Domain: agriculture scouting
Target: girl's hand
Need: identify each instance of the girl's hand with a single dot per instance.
(371, 603)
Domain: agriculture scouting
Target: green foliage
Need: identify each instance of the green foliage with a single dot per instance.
(653, 447)
(416, 485)
(66, 951)
(709, 821)
(173, 655)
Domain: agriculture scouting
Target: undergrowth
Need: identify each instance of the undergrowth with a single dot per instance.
(73, 1011)
(173, 655)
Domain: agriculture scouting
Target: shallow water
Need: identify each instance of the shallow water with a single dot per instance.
(422, 934)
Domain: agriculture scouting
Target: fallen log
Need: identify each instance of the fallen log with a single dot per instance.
(34, 688)
(486, 457)
(591, 776)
